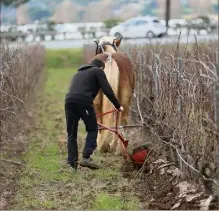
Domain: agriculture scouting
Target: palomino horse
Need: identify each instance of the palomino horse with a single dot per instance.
(118, 69)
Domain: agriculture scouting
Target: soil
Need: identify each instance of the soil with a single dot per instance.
(159, 185)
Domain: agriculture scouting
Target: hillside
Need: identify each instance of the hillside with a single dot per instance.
(98, 10)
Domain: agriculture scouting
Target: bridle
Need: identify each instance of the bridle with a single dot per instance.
(100, 47)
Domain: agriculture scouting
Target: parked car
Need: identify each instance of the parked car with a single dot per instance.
(139, 27)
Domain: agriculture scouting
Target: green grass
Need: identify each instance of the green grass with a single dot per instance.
(104, 201)
(64, 58)
(43, 156)
(47, 182)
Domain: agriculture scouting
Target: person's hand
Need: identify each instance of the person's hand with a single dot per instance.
(121, 108)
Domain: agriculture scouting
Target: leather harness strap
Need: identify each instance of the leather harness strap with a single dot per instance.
(100, 50)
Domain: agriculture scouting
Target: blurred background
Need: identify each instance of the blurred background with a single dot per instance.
(77, 21)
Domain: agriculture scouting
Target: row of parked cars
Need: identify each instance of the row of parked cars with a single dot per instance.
(139, 27)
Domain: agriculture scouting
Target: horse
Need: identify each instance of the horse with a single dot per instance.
(119, 73)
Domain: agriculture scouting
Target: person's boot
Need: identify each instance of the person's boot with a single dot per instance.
(74, 164)
(89, 163)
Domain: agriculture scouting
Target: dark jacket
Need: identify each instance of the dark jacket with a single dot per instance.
(86, 84)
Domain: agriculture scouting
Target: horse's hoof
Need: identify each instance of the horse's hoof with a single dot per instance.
(118, 153)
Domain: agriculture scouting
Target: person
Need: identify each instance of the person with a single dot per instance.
(84, 87)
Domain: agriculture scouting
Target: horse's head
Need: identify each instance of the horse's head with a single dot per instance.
(107, 44)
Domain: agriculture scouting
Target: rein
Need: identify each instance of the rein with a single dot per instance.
(109, 128)
(115, 129)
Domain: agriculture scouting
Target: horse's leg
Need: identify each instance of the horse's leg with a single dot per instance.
(107, 120)
(125, 99)
(105, 136)
(125, 95)
(98, 109)
(115, 139)
(98, 103)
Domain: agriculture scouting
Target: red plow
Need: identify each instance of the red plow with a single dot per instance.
(139, 154)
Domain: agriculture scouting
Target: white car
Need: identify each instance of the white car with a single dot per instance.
(139, 27)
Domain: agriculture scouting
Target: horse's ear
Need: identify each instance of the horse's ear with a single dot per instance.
(118, 41)
(96, 41)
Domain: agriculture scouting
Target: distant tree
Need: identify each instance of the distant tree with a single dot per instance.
(92, 31)
(82, 30)
(14, 3)
(149, 8)
(109, 23)
(37, 13)
(205, 19)
(51, 25)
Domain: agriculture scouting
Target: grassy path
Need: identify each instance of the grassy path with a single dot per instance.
(47, 183)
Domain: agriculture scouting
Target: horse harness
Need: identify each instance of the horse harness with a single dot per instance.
(100, 49)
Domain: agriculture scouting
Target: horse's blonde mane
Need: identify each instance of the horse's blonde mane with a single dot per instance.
(112, 73)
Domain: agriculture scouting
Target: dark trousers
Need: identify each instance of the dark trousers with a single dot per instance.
(74, 112)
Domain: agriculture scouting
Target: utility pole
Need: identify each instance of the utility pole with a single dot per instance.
(167, 14)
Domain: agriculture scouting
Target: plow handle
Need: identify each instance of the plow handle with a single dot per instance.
(126, 156)
(108, 112)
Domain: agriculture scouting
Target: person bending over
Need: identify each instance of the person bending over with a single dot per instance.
(83, 89)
